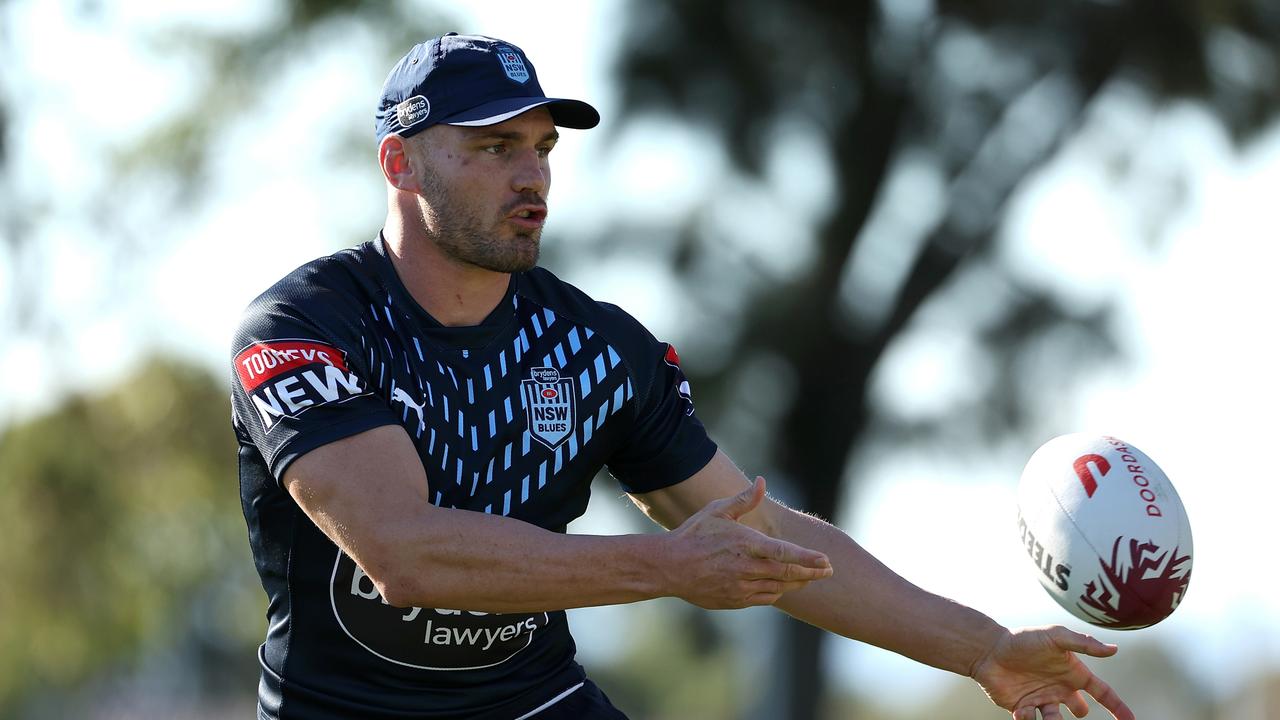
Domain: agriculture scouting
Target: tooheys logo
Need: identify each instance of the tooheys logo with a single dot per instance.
(283, 378)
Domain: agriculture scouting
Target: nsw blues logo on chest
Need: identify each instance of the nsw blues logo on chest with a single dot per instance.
(521, 420)
(550, 404)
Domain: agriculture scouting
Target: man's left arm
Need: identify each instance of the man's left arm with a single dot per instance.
(863, 599)
(866, 601)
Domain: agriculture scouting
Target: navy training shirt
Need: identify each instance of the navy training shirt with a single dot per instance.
(514, 416)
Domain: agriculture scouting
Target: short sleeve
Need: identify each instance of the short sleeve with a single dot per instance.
(667, 443)
(297, 382)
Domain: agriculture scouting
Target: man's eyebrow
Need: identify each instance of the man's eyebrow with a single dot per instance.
(482, 134)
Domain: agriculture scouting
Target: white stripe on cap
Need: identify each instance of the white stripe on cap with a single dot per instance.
(495, 119)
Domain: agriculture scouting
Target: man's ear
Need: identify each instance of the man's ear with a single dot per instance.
(393, 156)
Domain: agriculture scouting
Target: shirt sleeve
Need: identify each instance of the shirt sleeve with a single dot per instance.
(667, 443)
(298, 381)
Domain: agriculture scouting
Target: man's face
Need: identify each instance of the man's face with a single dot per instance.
(484, 189)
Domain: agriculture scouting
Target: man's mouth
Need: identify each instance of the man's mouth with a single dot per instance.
(529, 216)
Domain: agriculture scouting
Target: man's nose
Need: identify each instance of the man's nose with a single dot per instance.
(532, 174)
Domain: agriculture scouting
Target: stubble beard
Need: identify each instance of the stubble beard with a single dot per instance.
(461, 232)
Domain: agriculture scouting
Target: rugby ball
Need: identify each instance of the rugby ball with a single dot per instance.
(1106, 531)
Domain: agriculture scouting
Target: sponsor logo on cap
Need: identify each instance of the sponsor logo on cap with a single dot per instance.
(512, 64)
(284, 378)
(413, 111)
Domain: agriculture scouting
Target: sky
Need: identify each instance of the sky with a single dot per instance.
(1199, 396)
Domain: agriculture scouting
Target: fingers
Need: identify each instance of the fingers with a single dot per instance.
(1047, 712)
(766, 581)
(746, 593)
(1102, 692)
(768, 592)
(763, 546)
(1077, 704)
(742, 503)
(1108, 698)
(783, 552)
(785, 572)
(763, 599)
(1081, 643)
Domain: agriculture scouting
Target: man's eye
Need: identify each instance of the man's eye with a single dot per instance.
(496, 149)
(544, 151)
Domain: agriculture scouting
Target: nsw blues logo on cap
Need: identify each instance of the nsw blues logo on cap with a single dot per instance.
(512, 64)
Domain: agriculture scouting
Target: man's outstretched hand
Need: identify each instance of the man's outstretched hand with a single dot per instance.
(1036, 669)
(717, 562)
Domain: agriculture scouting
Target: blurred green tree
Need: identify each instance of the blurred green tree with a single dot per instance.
(128, 187)
(1256, 699)
(122, 536)
(663, 672)
(920, 121)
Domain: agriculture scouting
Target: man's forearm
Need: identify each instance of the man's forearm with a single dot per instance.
(867, 601)
(368, 494)
(466, 560)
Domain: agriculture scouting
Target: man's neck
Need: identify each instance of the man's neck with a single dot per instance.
(455, 294)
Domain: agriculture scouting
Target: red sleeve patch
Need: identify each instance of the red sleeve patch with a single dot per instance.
(261, 362)
(672, 357)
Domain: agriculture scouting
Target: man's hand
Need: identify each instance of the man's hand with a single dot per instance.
(717, 562)
(1036, 669)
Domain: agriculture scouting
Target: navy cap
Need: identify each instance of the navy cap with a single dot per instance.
(467, 80)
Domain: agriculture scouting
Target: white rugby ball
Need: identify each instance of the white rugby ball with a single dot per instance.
(1106, 531)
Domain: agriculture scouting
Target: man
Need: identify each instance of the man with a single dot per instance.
(419, 417)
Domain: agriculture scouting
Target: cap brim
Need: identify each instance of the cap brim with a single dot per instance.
(564, 112)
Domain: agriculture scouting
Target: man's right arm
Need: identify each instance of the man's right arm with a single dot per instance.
(369, 494)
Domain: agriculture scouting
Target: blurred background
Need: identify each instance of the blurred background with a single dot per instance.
(899, 245)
